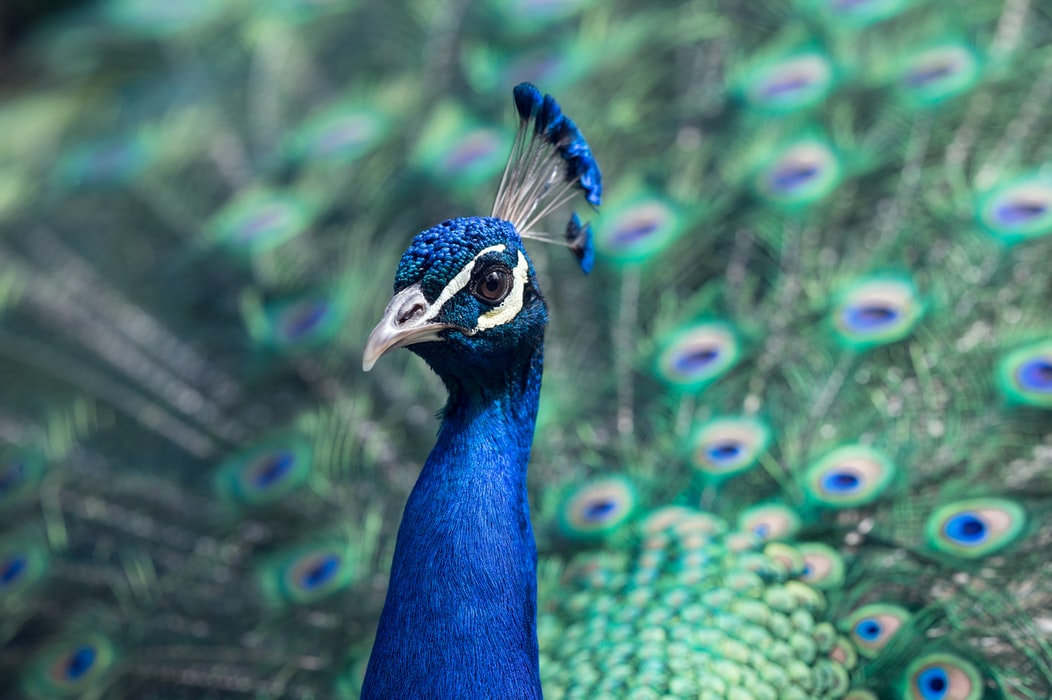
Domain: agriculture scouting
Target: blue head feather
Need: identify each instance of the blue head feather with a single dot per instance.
(460, 618)
(437, 254)
(460, 615)
(531, 186)
(579, 236)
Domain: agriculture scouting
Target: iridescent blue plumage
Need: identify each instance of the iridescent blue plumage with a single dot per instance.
(550, 161)
(461, 611)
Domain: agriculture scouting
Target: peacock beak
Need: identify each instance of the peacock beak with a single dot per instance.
(407, 320)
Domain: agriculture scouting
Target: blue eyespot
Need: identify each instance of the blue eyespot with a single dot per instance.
(933, 684)
(943, 677)
(12, 569)
(966, 529)
(638, 229)
(597, 508)
(307, 574)
(80, 662)
(69, 666)
(260, 220)
(792, 175)
(340, 134)
(633, 232)
(1036, 375)
(300, 323)
(788, 84)
(320, 571)
(769, 521)
(1013, 213)
(868, 629)
(270, 469)
(694, 356)
(869, 317)
(799, 174)
(924, 75)
(695, 360)
(841, 482)
(304, 318)
(725, 452)
(939, 73)
(823, 566)
(723, 447)
(265, 473)
(23, 562)
(975, 527)
(598, 511)
(876, 310)
(1017, 210)
(872, 626)
(1026, 375)
(849, 476)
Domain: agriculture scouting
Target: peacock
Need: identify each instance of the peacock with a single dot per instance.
(793, 438)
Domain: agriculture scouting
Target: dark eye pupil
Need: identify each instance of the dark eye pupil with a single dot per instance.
(493, 286)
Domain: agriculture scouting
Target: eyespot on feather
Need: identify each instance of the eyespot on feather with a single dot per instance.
(307, 574)
(871, 627)
(849, 476)
(789, 84)
(724, 447)
(876, 310)
(1025, 375)
(23, 562)
(1018, 209)
(597, 508)
(823, 566)
(770, 521)
(70, 666)
(943, 676)
(696, 355)
(339, 134)
(259, 221)
(939, 73)
(638, 229)
(975, 527)
(264, 473)
(799, 174)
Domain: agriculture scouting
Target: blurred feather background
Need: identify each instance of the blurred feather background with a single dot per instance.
(826, 228)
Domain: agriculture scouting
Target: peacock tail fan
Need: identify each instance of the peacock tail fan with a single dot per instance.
(795, 437)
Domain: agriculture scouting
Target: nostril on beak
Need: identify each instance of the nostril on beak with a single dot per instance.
(411, 312)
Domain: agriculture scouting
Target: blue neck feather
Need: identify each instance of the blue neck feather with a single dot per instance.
(460, 620)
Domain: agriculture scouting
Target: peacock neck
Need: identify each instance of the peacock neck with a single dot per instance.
(460, 616)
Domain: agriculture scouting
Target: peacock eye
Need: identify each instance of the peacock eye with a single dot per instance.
(493, 285)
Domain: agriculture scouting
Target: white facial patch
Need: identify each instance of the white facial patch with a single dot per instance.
(463, 277)
(512, 304)
(507, 310)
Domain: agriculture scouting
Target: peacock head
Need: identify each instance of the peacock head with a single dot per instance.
(466, 300)
(466, 296)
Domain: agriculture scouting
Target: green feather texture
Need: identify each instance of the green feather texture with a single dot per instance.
(795, 436)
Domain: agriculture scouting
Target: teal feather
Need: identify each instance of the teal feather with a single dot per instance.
(794, 437)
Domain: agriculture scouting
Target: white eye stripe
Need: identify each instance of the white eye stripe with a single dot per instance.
(512, 304)
(463, 277)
